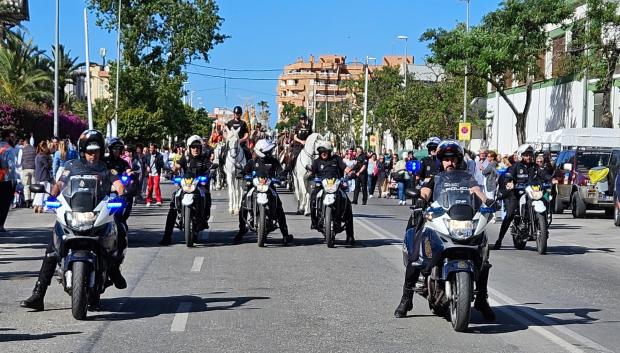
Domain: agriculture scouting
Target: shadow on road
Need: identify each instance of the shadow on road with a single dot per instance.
(11, 337)
(576, 250)
(133, 308)
(4, 276)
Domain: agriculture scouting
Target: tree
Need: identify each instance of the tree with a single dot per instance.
(597, 48)
(289, 116)
(67, 66)
(264, 112)
(508, 42)
(159, 38)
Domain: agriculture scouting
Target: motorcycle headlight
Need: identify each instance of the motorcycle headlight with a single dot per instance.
(80, 221)
(261, 184)
(330, 185)
(461, 230)
(188, 185)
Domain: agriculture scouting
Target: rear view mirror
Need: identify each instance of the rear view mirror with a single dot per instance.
(412, 193)
(568, 167)
(37, 188)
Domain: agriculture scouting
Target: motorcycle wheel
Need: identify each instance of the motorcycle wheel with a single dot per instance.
(79, 288)
(543, 234)
(187, 227)
(260, 226)
(327, 228)
(518, 243)
(460, 303)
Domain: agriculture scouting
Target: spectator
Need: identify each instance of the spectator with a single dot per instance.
(381, 176)
(8, 174)
(402, 177)
(372, 176)
(154, 166)
(141, 152)
(42, 174)
(350, 161)
(26, 160)
(490, 174)
(61, 156)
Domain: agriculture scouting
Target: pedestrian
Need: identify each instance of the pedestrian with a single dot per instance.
(26, 160)
(8, 174)
(400, 174)
(154, 166)
(42, 174)
(372, 174)
(61, 156)
(381, 176)
(361, 176)
(141, 152)
(350, 162)
(490, 174)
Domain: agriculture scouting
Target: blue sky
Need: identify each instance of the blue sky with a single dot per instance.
(270, 34)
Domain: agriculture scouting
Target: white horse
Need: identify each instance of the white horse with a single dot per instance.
(235, 159)
(302, 185)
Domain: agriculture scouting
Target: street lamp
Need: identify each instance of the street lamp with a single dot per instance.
(405, 38)
(365, 101)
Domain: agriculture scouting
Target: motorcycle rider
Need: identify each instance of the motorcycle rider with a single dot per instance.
(265, 164)
(244, 132)
(193, 164)
(430, 164)
(91, 145)
(330, 166)
(521, 172)
(115, 162)
(450, 154)
(300, 135)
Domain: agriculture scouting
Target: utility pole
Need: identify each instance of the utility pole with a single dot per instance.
(465, 88)
(118, 73)
(89, 103)
(56, 62)
(365, 102)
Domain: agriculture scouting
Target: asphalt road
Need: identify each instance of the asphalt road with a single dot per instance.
(219, 297)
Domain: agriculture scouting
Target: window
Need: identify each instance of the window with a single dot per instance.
(598, 109)
(558, 56)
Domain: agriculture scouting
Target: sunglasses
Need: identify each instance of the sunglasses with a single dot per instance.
(194, 147)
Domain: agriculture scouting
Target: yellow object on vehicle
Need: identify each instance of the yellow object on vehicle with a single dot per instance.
(598, 174)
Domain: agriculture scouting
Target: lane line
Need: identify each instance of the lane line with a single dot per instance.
(180, 318)
(513, 313)
(198, 260)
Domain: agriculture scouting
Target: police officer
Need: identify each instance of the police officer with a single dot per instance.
(430, 164)
(115, 162)
(264, 165)
(90, 145)
(193, 164)
(450, 154)
(330, 166)
(521, 172)
(300, 135)
(243, 131)
(361, 175)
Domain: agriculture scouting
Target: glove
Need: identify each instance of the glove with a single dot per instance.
(421, 203)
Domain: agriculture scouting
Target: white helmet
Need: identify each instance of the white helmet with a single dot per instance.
(324, 145)
(193, 140)
(264, 147)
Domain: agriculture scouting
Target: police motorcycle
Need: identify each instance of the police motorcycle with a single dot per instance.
(261, 201)
(189, 201)
(532, 222)
(331, 204)
(85, 238)
(452, 247)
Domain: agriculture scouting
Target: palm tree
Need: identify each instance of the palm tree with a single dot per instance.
(24, 71)
(67, 67)
(264, 112)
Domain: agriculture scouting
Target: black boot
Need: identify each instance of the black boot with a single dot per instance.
(498, 244)
(288, 240)
(406, 303)
(116, 277)
(481, 303)
(239, 237)
(35, 301)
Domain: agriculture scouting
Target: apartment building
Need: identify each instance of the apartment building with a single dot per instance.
(99, 83)
(308, 83)
(559, 100)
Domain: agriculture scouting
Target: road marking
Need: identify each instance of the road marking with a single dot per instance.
(198, 260)
(180, 318)
(514, 312)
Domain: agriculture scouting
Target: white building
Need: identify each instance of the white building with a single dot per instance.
(558, 101)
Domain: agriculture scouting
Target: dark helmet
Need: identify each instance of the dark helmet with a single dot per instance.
(528, 150)
(237, 110)
(91, 140)
(432, 143)
(449, 149)
(115, 142)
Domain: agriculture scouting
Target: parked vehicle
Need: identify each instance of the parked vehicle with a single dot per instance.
(575, 189)
(85, 239)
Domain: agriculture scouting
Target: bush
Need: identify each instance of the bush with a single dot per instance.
(39, 122)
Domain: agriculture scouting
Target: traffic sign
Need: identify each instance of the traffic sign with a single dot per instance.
(373, 140)
(464, 131)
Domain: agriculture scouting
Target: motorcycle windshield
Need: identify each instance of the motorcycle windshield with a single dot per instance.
(453, 188)
(82, 192)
